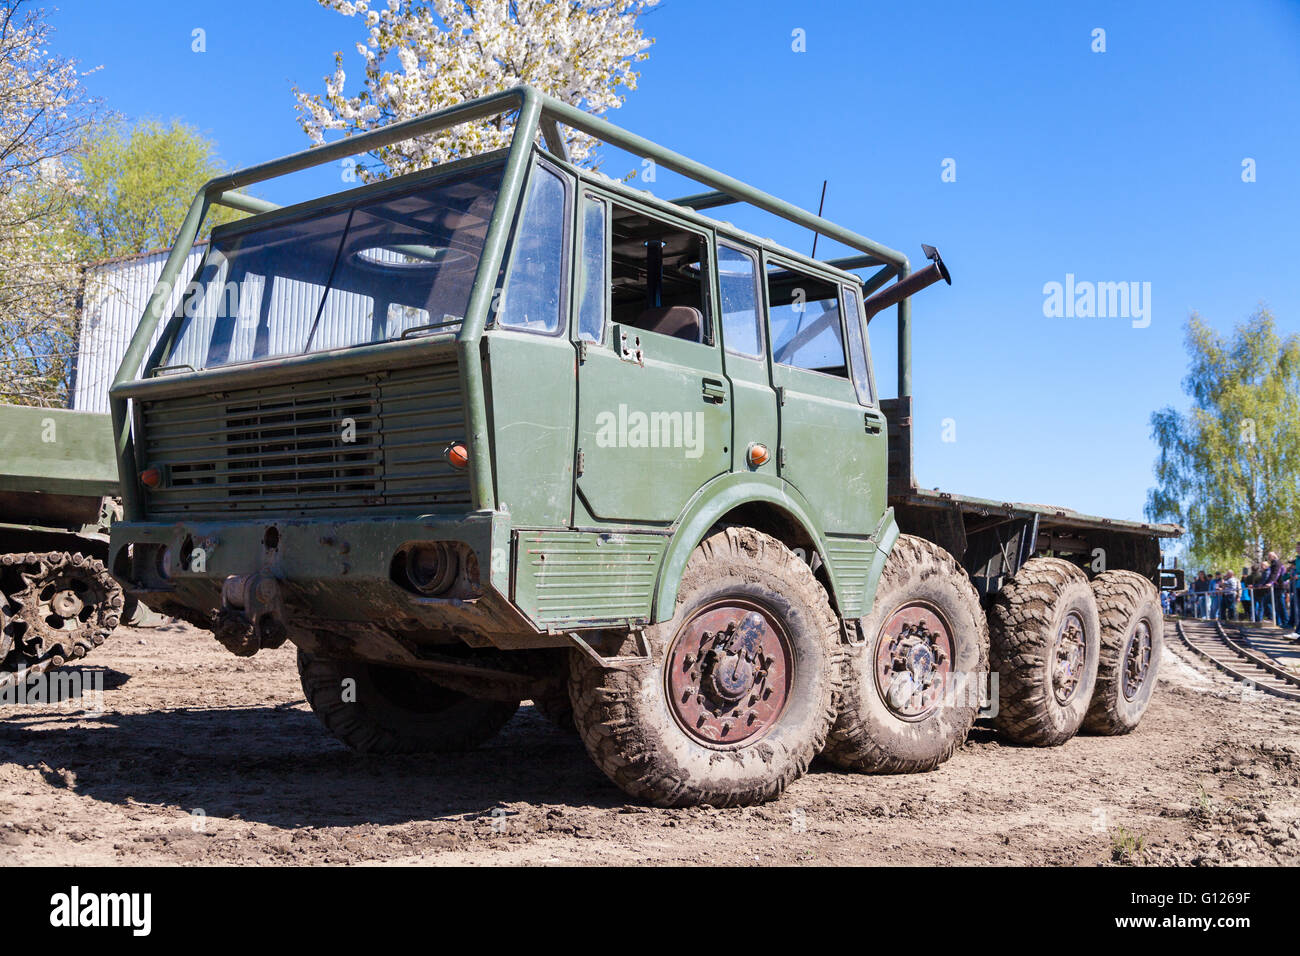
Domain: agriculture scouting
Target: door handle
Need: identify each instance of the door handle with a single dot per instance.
(715, 391)
(873, 422)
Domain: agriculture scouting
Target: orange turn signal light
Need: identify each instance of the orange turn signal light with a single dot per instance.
(458, 455)
(151, 477)
(758, 454)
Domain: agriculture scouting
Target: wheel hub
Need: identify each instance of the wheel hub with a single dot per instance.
(66, 603)
(730, 669)
(913, 660)
(1137, 660)
(1069, 659)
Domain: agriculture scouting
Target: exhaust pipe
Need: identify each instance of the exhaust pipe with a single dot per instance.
(892, 295)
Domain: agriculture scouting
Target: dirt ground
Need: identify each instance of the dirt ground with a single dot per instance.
(201, 757)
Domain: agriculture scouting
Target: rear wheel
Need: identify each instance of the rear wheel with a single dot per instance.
(911, 691)
(389, 710)
(740, 687)
(1045, 641)
(1132, 640)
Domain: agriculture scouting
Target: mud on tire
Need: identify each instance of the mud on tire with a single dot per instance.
(751, 620)
(1044, 688)
(396, 711)
(1132, 642)
(910, 718)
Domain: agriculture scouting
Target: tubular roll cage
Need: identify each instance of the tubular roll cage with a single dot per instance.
(537, 113)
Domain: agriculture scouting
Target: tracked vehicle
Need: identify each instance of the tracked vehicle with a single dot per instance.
(58, 476)
(505, 429)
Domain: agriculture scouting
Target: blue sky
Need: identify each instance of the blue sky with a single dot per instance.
(1122, 166)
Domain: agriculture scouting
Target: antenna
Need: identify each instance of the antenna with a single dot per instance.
(819, 213)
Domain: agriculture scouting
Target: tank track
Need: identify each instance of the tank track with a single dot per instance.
(58, 607)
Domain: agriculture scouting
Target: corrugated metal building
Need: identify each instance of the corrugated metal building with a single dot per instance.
(116, 293)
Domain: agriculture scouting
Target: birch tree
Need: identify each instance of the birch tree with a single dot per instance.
(1229, 467)
(43, 113)
(421, 57)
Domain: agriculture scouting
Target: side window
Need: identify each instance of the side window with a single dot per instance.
(742, 328)
(532, 296)
(591, 300)
(658, 276)
(859, 357)
(804, 314)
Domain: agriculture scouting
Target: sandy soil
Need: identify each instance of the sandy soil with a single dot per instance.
(201, 757)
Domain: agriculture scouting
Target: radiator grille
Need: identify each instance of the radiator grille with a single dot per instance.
(348, 443)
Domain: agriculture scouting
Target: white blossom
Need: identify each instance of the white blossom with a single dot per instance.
(43, 113)
(447, 51)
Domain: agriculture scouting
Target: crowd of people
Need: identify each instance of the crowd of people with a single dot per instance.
(1265, 591)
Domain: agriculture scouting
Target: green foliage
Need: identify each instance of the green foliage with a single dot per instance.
(136, 184)
(1229, 468)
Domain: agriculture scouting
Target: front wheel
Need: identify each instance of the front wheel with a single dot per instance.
(388, 710)
(911, 690)
(740, 687)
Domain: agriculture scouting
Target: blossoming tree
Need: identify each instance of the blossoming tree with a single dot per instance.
(422, 57)
(43, 113)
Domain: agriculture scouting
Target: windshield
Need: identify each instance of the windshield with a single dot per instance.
(398, 264)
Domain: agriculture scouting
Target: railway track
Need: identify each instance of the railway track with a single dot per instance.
(1231, 652)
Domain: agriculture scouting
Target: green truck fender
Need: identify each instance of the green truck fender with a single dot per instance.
(886, 536)
(720, 497)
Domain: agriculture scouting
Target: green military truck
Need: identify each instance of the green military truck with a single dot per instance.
(58, 473)
(505, 429)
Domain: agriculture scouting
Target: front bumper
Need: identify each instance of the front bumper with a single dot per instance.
(332, 573)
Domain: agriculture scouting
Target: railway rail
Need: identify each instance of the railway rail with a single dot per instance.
(1229, 652)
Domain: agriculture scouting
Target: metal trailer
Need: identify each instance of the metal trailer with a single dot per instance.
(431, 512)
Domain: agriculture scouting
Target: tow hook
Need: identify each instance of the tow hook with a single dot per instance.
(252, 614)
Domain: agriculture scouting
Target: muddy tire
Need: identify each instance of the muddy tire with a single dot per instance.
(740, 689)
(396, 711)
(1044, 642)
(1132, 642)
(911, 690)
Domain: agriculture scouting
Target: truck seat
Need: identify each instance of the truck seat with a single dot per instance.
(679, 321)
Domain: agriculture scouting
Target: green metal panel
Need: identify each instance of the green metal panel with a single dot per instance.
(532, 387)
(885, 538)
(55, 451)
(850, 561)
(571, 577)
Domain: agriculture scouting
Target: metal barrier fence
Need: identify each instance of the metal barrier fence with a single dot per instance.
(1285, 600)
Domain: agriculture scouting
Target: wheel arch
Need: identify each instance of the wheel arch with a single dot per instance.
(768, 505)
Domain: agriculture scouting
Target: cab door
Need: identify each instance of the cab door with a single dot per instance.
(744, 341)
(654, 407)
(832, 446)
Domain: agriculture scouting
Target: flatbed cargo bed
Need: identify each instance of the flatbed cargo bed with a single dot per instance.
(993, 538)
